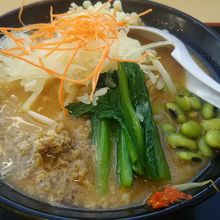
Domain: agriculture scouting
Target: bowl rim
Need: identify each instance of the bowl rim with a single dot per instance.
(199, 197)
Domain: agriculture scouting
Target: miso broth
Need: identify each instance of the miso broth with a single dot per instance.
(57, 164)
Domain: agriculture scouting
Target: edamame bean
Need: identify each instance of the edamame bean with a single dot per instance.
(191, 129)
(168, 128)
(204, 148)
(182, 90)
(189, 156)
(175, 112)
(211, 124)
(178, 140)
(195, 102)
(212, 138)
(207, 111)
(193, 114)
(183, 103)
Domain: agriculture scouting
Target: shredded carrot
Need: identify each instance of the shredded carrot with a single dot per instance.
(12, 37)
(62, 34)
(139, 15)
(167, 197)
(51, 14)
(61, 98)
(133, 61)
(20, 12)
(104, 5)
(49, 71)
(54, 49)
(145, 12)
(97, 71)
(25, 28)
(52, 72)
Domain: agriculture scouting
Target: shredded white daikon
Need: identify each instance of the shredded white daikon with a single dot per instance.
(33, 77)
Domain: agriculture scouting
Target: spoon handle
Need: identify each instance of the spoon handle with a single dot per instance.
(192, 67)
(198, 82)
(183, 57)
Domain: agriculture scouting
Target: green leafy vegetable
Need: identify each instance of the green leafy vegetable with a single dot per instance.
(107, 102)
(124, 164)
(130, 118)
(101, 139)
(139, 147)
(156, 166)
(108, 106)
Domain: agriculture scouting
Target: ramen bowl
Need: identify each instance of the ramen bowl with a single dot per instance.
(199, 38)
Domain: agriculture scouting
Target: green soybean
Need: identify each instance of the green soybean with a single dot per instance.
(195, 102)
(182, 90)
(208, 111)
(191, 129)
(168, 128)
(212, 138)
(179, 140)
(211, 124)
(204, 148)
(189, 156)
(183, 103)
(175, 112)
(193, 114)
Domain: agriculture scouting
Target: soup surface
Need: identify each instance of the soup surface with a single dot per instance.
(56, 164)
(78, 127)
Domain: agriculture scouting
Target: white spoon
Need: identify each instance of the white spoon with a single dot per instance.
(198, 82)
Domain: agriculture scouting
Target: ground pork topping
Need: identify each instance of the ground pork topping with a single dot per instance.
(62, 163)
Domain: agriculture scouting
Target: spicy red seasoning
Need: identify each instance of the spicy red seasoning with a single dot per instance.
(165, 198)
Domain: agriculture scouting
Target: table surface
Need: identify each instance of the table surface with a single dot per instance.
(208, 11)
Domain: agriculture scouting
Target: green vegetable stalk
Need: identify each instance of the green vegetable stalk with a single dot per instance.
(101, 139)
(139, 147)
(108, 107)
(124, 166)
(130, 118)
(155, 163)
